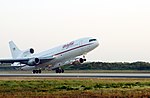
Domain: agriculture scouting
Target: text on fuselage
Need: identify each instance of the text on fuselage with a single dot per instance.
(68, 45)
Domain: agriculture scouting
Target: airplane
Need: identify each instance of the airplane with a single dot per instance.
(53, 58)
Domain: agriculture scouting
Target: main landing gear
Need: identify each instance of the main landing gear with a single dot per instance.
(36, 71)
(59, 70)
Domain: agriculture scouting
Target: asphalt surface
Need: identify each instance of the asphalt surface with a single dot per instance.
(82, 75)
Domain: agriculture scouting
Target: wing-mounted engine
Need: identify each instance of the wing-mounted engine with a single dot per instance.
(27, 52)
(33, 61)
(78, 61)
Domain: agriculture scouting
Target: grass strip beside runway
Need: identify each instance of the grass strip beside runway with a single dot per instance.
(59, 87)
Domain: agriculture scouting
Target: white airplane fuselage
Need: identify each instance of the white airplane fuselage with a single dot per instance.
(65, 53)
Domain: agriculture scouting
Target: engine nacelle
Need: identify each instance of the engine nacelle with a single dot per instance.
(78, 61)
(27, 52)
(34, 61)
(31, 50)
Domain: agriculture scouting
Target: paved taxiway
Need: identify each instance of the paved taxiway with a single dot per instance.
(82, 75)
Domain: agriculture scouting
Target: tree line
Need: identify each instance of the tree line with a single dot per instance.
(110, 66)
(98, 66)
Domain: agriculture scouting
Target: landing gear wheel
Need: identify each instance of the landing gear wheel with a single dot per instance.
(59, 70)
(84, 59)
(36, 71)
(33, 71)
(62, 70)
(40, 71)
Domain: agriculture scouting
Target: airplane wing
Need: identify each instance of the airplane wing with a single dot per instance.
(28, 61)
(13, 60)
(46, 59)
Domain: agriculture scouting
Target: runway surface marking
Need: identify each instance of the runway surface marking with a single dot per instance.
(82, 75)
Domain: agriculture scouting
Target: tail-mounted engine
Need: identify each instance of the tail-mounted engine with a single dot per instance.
(28, 52)
(31, 50)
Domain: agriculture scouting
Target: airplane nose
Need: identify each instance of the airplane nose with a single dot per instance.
(97, 43)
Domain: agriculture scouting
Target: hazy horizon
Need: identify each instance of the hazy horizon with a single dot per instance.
(122, 27)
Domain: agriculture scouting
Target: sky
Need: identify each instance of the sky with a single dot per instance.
(122, 27)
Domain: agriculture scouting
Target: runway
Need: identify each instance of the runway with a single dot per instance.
(82, 75)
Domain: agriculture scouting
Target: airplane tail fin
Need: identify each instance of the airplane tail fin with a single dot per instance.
(15, 51)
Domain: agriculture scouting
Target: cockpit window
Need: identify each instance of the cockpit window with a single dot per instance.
(92, 40)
